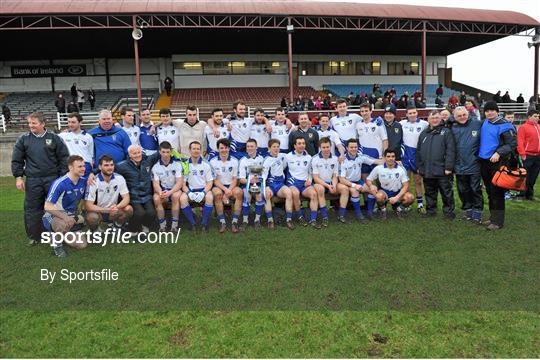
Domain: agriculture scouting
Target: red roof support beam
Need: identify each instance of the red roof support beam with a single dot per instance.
(137, 65)
(424, 62)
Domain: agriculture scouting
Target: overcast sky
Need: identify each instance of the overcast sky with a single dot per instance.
(511, 65)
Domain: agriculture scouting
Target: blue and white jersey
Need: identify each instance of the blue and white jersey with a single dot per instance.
(391, 179)
(241, 129)
(298, 166)
(274, 168)
(65, 194)
(246, 162)
(333, 136)
(80, 143)
(105, 194)
(324, 168)
(411, 131)
(281, 133)
(199, 174)
(351, 168)
(211, 140)
(225, 171)
(167, 174)
(259, 133)
(371, 137)
(133, 132)
(345, 126)
(168, 133)
(148, 142)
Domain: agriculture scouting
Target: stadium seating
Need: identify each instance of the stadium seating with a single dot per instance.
(344, 90)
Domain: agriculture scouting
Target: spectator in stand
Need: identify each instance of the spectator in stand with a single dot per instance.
(283, 103)
(6, 112)
(439, 91)
(386, 101)
(529, 149)
(379, 104)
(506, 98)
(318, 104)
(511, 117)
(446, 118)
(532, 105)
(92, 98)
(462, 98)
(302, 102)
(479, 100)
(497, 97)
(60, 104)
(520, 99)
(377, 93)
(72, 107)
(417, 94)
(80, 99)
(311, 103)
(167, 84)
(419, 103)
(472, 108)
(453, 101)
(73, 91)
(439, 102)
(326, 103)
(350, 98)
(402, 103)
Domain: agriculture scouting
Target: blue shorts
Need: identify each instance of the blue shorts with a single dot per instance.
(389, 193)
(275, 186)
(359, 182)
(47, 220)
(408, 158)
(366, 169)
(299, 184)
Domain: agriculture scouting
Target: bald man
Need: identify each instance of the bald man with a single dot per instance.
(137, 170)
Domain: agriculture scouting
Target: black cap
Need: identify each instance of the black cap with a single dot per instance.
(390, 108)
(491, 105)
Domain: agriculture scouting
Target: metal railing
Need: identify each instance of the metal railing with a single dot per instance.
(517, 108)
(3, 123)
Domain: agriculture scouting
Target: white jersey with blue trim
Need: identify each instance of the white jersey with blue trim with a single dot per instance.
(199, 174)
(246, 162)
(133, 132)
(105, 194)
(225, 171)
(167, 174)
(80, 143)
(241, 128)
(168, 133)
(371, 137)
(391, 179)
(281, 133)
(65, 195)
(298, 166)
(411, 131)
(351, 168)
(345, 126)
(274, 167)
(333, 136)
(324, 168)
(211, 140)
(259, 133)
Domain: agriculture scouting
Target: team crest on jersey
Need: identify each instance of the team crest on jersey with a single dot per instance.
(350, 121)
(48, 142)
(373, 129)
(418, 129)
(310, 135)
(397, 175)
(173, 131)
(474, 133)
(396, 130)
(230, 168)
(173, 172)
(77, 141)
(305, 163)
(332, 166)
(115, 187)
(114, 137)
(201, 172)
(147, 168)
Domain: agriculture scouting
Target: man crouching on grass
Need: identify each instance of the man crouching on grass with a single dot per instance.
(61, 205)
(101, 199)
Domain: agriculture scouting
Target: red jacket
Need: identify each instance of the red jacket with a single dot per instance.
(529, 138)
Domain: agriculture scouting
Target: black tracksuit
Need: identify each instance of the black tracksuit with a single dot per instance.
(311, 137)
(42, 160)
(435, 153)
(395, 137)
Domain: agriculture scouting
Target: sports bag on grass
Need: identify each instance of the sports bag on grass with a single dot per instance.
(511, 179)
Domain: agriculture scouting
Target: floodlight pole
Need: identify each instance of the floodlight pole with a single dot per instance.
(137, 67)
(290, 30)
(424, 62)
(536, 67)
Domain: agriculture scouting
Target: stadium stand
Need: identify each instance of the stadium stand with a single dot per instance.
(344, 90)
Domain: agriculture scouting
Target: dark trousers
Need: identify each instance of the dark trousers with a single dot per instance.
(443, 185)
(143, 214)
(532, 164)
(34, 201)
(469, 189)
(495, 193)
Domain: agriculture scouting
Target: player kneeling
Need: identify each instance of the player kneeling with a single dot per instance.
(394, 185)
(61, 205)
(350, 177)
(197, 187)
(101, 199)
(225, 168)
(274, 167)
(167, 181)
(324, 168)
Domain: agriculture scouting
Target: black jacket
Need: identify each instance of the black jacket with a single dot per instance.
(39, 156)
(395, 137)
(467, 138)
(312, 140)
(435, 152)
(138, 178)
